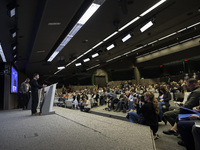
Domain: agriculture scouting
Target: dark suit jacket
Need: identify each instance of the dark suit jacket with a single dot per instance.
(35, 86)
(192, 100)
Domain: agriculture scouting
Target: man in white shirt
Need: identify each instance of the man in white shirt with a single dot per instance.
(87, 105)
(130, 99)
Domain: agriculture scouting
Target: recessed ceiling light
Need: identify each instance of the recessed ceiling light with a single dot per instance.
(146, 26)
(127, 37)
(110, 47)
(62, 67)
(78, 64)
(86, 60)
(95, 55)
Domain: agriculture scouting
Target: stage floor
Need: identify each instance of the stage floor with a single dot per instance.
(70, 129)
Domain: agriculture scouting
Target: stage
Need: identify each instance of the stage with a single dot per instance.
(70, 129)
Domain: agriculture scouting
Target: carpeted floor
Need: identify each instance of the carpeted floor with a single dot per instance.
(70, 129)
(165, 142)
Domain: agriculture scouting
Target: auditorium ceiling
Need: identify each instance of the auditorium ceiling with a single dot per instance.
(42, 25)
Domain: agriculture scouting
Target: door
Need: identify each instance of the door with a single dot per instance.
(100, 81)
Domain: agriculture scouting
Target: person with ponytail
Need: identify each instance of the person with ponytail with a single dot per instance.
(147, 114)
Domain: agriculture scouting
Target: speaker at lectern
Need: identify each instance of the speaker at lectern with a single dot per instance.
(48, 99)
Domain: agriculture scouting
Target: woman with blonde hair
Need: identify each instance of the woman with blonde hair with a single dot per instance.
(147, 114)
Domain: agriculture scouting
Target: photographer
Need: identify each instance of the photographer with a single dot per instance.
(123, 102)
(112, 99)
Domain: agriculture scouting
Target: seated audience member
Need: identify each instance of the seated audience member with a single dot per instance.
(78, 97)
(62, 98)
(196, 135)
(112, 99)
(81, 105)
(95, 96)
(147, 114)
(185, 130)
(192, 101)
(75, 103)
(123, 101)
(126, 85)
(186, 77)
(131, 99)
(66, 96)
(199, 83)
(195, 76)
(84, 95)
(185, 92)
(87, 105)
(163, 99)
(151, 89)
(117, 90)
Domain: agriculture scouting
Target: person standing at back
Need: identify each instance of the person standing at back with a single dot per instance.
(25, 88)
(186, 77)
(34, 92)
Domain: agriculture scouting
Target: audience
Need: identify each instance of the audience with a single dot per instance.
(128, 97)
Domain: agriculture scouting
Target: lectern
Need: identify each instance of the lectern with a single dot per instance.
(47, 103)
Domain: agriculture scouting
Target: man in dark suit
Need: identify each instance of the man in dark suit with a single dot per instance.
(34, 92)
(192, 101)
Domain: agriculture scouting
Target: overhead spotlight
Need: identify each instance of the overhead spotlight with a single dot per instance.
(95, 55)
(15, 58)
(13, 33)
(86, 60)
(110, 47)
(127, 37)
(146, 26)
(15, 55)
(14, 47)
(78, 64)
(11, 9)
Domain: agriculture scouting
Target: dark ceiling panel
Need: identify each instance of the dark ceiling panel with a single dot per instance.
(36, 39)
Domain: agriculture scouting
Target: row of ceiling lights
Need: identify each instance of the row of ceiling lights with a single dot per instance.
(86, 16)
(193, 25)
(155, 41)
(124, 39)
(11, 13)
(149, 24)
